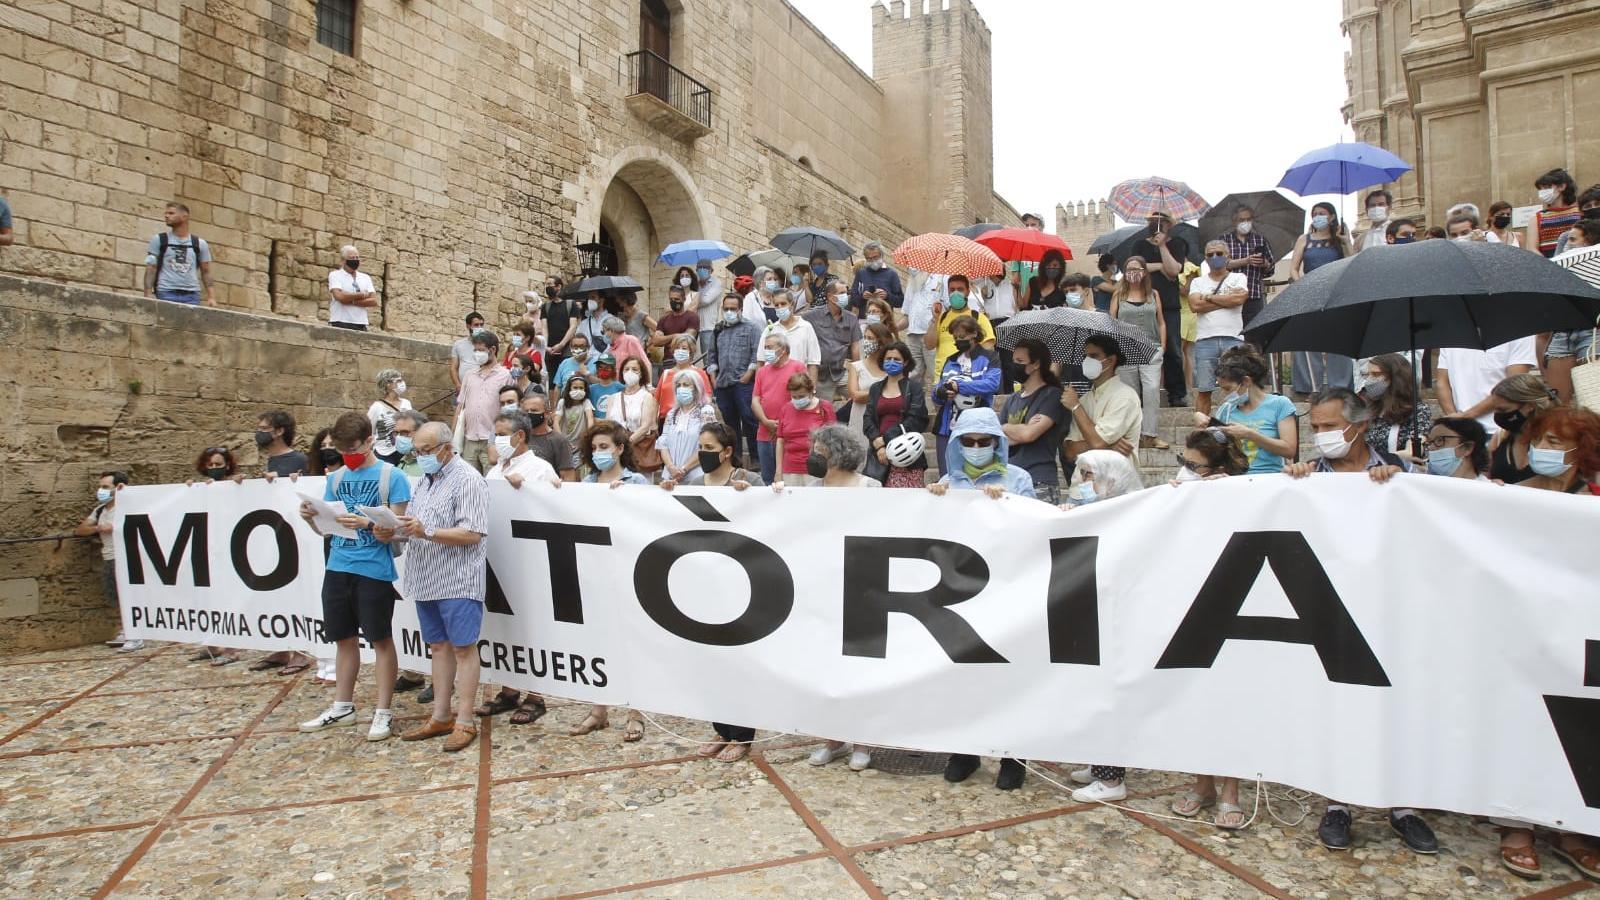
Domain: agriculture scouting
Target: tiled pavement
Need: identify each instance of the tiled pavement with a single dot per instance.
(141, 774)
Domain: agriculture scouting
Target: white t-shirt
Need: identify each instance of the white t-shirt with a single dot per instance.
(1222, 322)
(802, 340)
(530, 465)
(381, 415)
(1474, 373)
(752, 309)
(354, 282)
(1003, 303)
(925, 291)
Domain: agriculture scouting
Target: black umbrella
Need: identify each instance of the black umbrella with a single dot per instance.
(1064, 330)
(1425, 295)
(805, 241)
(755, 259)
(1119, 243)
(1278, 219)
(971, 232)
(608, 284)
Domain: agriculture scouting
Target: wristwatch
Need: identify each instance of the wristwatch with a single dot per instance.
(428, 532)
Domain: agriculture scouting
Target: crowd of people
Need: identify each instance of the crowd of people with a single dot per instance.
(808, 377)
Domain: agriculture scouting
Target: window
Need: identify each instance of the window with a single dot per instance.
(336, 25)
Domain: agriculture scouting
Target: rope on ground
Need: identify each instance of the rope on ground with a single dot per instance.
(1295, 796)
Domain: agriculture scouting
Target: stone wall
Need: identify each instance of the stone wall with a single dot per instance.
(1079, 223)
(93, 381)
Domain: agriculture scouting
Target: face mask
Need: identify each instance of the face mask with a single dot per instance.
(508, 408)
(516, 340)
(819, 268)
(1093, 368)
(1407, 239)
(1187, 474)
(958, 300)
(329, 457)
(536, 420)
(352, 264)
(794, 278)
(481, 357)
(1319, 222)
(1244, 227)
(1549, 463)
(685, 281)
(402, 444)
(430, 464)
(605, 372)
(840, 299)
(1443, 461)
(604, 461)
(963, 345)
(1511, 421)
(769, 355)
(1376, 387)
(548, 292)
(594, 305)
(580, 353)
(784, 312)
(1502, 221)
(352, 460)
(1085, 493)
(1592, 212)
(801, 402)
(399, 387)
(730, 316)
(875, 265)
(1332, 444)
(874, 319)
(502, 445)
(703, 272)
(680, 355)
(103, 495)
(1237, 398)
(685, 395)
(771, 286)
(217, 473)
(977, 456)
(893, 366)
(516, 373)
(1217, 262)
(576, 394)
(263, 438)
(710, 460)
(869, 347)
(1377, 214)
(1547, 196)
(1134, 276)
(630, 377)
(1052, 272)
(1074, 299)
(816, 466)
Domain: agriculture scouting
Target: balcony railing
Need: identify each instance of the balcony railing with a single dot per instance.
(650, 74)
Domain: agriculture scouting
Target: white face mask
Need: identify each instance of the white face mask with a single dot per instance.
(630, 377)
(1378, 214)
(1187, 474)
(1548, 196)
(1092, 368)
(1244, 228)
(685, 281)
(481, 357)
(502, 445)
(399, 387)
(1332, 444)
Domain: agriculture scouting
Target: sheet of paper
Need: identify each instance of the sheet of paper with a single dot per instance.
(1521, 216)
(327, 520)
(385, 516)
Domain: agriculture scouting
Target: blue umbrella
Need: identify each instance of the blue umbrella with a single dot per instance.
(1343, 169)
(687, 253)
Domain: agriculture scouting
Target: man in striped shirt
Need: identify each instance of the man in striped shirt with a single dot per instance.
(444, 528)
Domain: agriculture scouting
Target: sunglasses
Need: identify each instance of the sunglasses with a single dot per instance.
(977, 442)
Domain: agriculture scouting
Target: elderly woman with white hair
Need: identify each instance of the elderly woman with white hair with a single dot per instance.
(391, 387)
(679, 442)
(1102, 475)
(769, 285)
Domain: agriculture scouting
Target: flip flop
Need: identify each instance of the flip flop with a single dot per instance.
(1229, 809)
(1190, 803)
(294, 668)
(262, 665)
(733, 753)
(225, 660)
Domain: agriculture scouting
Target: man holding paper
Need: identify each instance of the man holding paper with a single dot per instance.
(358, 588)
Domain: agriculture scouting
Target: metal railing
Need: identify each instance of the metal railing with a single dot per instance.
(58, 538)
(650, 74)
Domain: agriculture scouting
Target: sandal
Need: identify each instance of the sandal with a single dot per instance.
(261, 665)
(294, 668)
(1583, 857)
(1190, 804)
(1229, 817)
(1523, 860)
(528, 713)
(225, 660)
(590, 723)
(710, 748)
(733, 753)
(633, 732)
(498, 704)
(202, 656)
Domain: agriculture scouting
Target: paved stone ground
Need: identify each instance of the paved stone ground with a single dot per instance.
(140, 774)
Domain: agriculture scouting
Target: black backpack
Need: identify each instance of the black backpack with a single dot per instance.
(161, 251)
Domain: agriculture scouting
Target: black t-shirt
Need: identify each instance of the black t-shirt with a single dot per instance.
(1038, 456)
(287, 463)
(557, 320)
(1050, 299)
(1166, 288)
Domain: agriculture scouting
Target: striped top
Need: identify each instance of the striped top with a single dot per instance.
(1553, 223)
(454, 497)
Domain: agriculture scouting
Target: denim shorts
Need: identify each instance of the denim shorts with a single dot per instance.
(457, 621)
(1570, 343)
(1207, 351)
(192, 298)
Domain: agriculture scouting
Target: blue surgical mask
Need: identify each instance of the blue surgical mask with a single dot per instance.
(103, 495)
(680, 355)
(977, 456)
(958, 300)
(1549, 463)
(1217, 261)
(893, 366)
(1319, 222)
(1237, 398)
(794, 278)
(771, 285)
(801, 402)
(1443, 461)
(819, 268)
(402, 444)
(730, 316)
(685, 395)
(874, 319)
(604, 461)
(430, 464)
(1074, 299)
(769, 355)
(703, 272)
(784, 312)
(1085, 492)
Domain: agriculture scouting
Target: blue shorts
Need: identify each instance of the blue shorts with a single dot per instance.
(1564, 344)
(192, 298)
(1207, 352)
(457, 621)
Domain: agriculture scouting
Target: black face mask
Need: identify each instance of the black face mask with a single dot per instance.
(217, 473)
(536, 419)
(963, 345)
(1502, 221)
(1511, 421)
(1406, 240)
(352, 264)
(550, 292)
(1592, 212)
(710, 460)
(263, 438)
(816, 466)
(330, 457)
(677, 305)
(1053, 273)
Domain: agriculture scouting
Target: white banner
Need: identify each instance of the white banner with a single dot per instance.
(1430, 642)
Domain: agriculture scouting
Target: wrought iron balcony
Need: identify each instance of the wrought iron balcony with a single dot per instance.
(666, 97)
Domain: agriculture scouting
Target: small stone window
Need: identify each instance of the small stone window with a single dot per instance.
(336, 25)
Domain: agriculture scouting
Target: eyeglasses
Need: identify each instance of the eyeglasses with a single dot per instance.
(420, 450)
(1195, 467)
(1439, 443)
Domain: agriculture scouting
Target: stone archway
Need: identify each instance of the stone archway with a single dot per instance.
(645, 200)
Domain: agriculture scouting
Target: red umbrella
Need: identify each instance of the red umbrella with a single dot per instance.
(1023, 244)
(947, 254)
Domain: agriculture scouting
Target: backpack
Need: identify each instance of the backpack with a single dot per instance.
(161, 251)
(385, 473)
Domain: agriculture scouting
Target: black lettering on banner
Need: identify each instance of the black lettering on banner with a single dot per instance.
(138, 533)
(1322, 619)
(411, 642)
(597, 668)
(288, 567)
(771, 586)
(561, 541)
(494, 596)
(500, 653)
(1072, 609)
(868, 602)
(137, 614)
(577, 663)
(1577, 724)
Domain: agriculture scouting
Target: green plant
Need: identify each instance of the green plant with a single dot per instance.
(135, 386)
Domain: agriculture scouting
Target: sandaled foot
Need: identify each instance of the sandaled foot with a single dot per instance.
(498, 704)
(1191, 802)
(294, 668)
(591, 723)
(528, 713)
(710, 748)
(261, 665)
(1578, 854)
(733, 753)
(633, 732)
(1518, 856)
(1229, 817)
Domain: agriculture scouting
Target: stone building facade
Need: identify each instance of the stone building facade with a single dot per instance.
(1079, 223)
(1481, 96)
(468, 146)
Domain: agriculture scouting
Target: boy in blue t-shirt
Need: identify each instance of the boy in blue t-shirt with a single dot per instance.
(358, 587)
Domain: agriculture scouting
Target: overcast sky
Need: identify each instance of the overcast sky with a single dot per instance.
(1250, 85)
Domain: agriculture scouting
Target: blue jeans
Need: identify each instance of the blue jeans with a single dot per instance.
(1207, 353)
(733, 402)
(192, 298)
(767, 451)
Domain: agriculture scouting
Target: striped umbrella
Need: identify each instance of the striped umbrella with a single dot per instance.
(1023, 244)
(947, 254)
(1064, 330)
(1140, 198)
(1583, 263)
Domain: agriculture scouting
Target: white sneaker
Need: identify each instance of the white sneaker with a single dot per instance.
(1100, 792)
(130, 646)
(859, 760)
(1083, 775)
(822, 755)
(329, 718)
(117, 641)
(327, 671)
(381, 722)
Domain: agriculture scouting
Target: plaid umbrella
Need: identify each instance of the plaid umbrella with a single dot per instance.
(1024, 244)
(1139, 198)
(947, 254)
(1064, 329)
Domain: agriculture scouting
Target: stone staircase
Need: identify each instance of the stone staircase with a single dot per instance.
(1174, 426)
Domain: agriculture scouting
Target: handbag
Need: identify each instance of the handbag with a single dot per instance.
(1586, 379)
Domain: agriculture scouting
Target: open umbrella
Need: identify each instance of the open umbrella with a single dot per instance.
(1023, 244)
(1064, 330)
(1342, 169)
(1139, 198)
(947, 254)
(687, 253)
(1278, 219)
(1120, 243)
(605, 284)
(1425, 295)
(750, 262)
(972, 231)
(805, 241)
(1584, 263)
